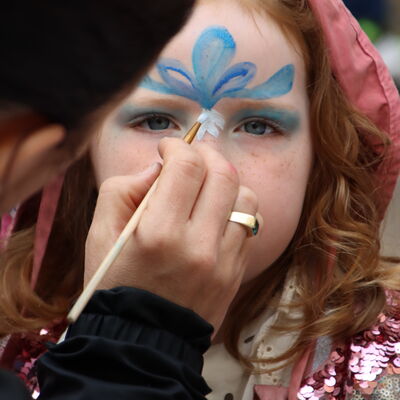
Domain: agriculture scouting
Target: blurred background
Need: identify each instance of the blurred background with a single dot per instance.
(381, 21)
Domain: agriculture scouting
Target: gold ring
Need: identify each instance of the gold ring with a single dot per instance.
(249, 221)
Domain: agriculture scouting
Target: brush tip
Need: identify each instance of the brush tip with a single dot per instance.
(204, 116)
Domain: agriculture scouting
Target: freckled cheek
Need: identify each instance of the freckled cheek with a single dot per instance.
(123, 157)
(280, 185)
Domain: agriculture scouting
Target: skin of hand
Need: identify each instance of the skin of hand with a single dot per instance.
(184, 249)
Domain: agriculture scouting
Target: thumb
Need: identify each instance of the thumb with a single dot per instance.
(120, 196)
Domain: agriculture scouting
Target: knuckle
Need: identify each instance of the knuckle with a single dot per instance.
(160, 241)
(110, 185)
(171, 144)
(218, 165)
(168, 147)
(156, 242)
(221, 283)
(149, 246)
(191, 164)
(204, 262)
(226, 173)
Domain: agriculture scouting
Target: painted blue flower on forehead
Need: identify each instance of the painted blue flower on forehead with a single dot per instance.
(212, 78)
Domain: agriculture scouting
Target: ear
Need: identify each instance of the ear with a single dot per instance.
(33, 146)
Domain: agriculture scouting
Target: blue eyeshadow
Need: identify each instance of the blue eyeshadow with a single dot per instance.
(129, 112)
(287, 120)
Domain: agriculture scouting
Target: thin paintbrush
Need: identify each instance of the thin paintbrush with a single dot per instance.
(125, 235)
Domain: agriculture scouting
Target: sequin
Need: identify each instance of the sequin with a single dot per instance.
(31, 346)
(387, 389)
(362, 368)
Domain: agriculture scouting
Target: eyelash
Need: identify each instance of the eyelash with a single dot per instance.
(138, 120)
(277, 129)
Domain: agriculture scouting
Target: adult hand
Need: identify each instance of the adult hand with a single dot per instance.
(184, 249)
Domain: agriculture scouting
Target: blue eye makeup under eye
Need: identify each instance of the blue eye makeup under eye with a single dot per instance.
(284, 120)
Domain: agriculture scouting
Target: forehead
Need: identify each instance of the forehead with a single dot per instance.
(258, 38)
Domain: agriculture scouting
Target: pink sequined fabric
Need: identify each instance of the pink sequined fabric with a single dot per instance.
(359, 368)
(31, 346)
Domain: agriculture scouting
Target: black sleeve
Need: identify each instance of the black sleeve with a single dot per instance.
(128, 344)
(11, 387)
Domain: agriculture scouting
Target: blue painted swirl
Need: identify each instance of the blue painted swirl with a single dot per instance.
(212, 79)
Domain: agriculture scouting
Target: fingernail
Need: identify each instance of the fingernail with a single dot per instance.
(155, 167)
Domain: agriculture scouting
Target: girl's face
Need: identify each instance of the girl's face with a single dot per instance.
(220, 56)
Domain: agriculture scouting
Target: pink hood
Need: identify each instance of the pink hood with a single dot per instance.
(367, 82)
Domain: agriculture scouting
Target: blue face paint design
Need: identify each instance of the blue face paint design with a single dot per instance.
(288, 121)
(212, 78)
